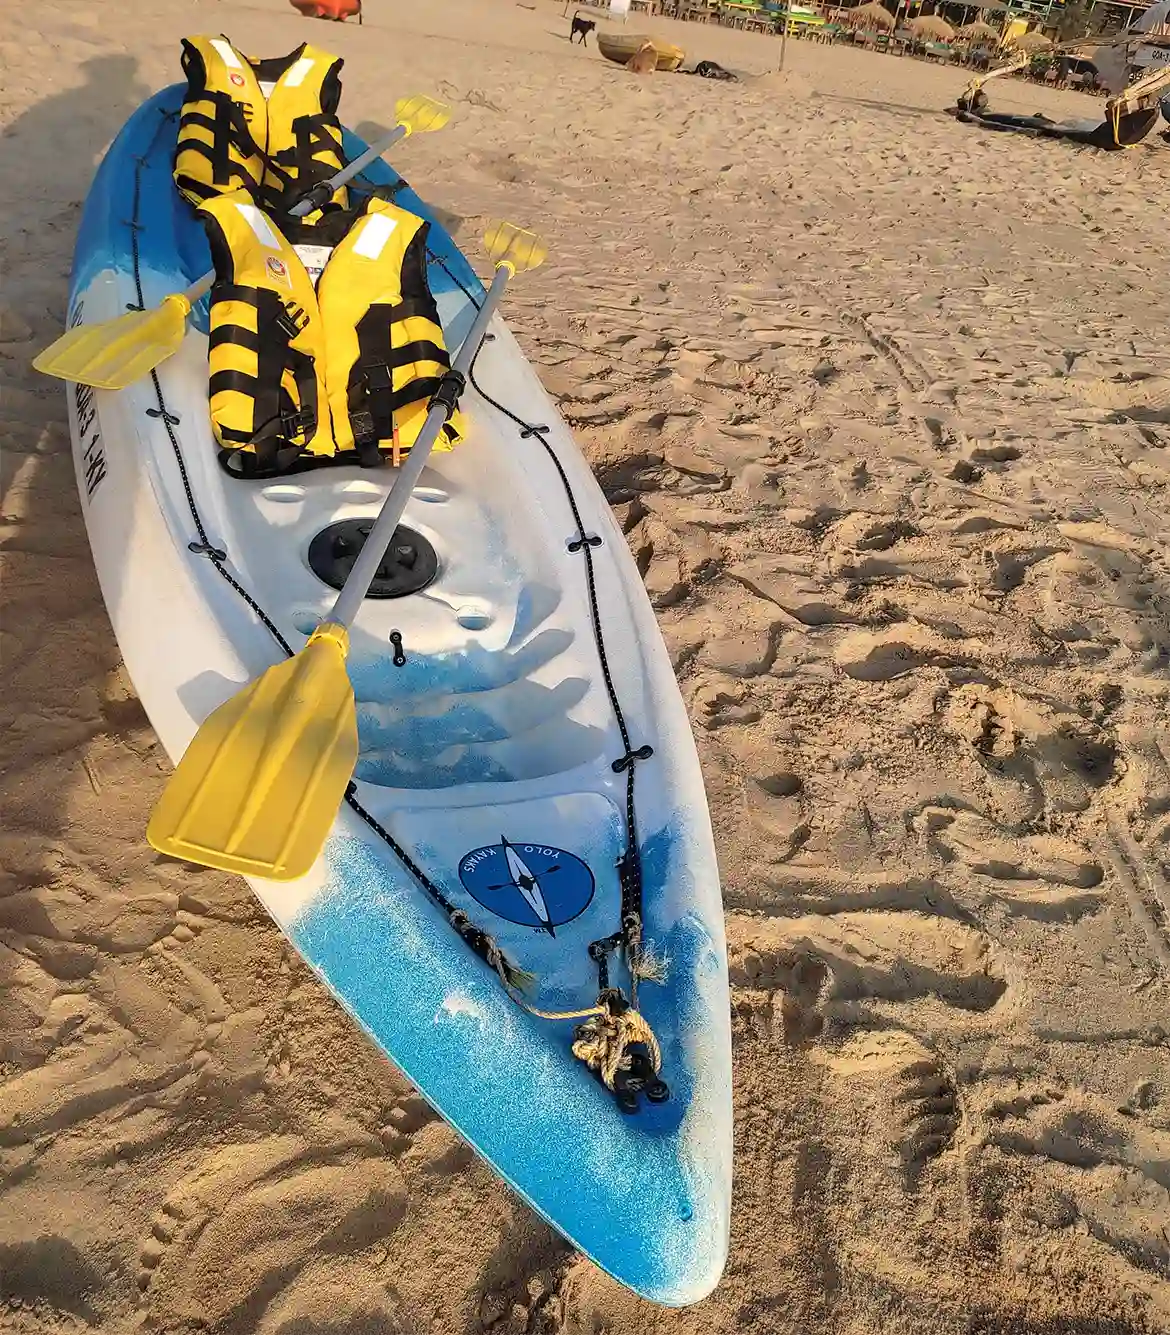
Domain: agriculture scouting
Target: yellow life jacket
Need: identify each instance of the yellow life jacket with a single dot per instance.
(269, 125)
(346, 369)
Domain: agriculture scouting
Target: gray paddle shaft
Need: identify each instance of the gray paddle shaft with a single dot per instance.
(374, 548)
(201, 286)
(351, 169)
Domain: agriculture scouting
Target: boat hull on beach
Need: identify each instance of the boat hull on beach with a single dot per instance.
(503, 709)
(621, 47)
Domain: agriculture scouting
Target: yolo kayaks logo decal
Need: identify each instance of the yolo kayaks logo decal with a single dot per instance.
(530, 884)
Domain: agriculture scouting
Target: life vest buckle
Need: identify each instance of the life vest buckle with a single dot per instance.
(294, 424)
(362, 425)
(287, 321)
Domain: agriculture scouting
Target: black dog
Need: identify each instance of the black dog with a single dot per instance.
(709, 69)
(582, 26)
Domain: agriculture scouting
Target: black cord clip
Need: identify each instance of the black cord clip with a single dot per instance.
(168, 417)
(642, 753)
(584, 540)
(206, 549)
(599, 953)
(530, 431)
(399, 653)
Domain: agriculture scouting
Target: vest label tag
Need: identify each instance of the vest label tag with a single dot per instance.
(314, 258)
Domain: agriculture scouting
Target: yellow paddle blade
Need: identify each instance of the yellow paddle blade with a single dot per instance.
(116, 353)
(261, 782)
(421, 114)
(508, 244)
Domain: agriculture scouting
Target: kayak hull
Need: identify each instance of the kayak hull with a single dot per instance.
(498, 730)
(620, 47)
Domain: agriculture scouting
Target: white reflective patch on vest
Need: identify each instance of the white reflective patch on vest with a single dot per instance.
(299, 72)
(375, 234)
(266, 89)
(314, 258)
(260, 226)
(226, 54)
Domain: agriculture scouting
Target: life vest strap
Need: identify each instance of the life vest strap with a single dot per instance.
(310, 161)
(372, 417)
(312, 137)
(235, 334)
(230, 128)
(277, 422)
(379, 373)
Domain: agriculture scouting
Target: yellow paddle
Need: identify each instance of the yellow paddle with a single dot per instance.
(116, 353)
(261, 782)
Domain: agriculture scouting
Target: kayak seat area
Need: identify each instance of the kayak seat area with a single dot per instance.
(488, 673)
(480, 676)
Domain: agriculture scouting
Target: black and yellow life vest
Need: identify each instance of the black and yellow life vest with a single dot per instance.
(344, 370)
(268, 125)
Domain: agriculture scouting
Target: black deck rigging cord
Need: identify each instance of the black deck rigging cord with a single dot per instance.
(614, 1041)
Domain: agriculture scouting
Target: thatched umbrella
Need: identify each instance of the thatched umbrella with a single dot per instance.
(870, 16)
(933, 28)
(1030, 41)
(979, 34)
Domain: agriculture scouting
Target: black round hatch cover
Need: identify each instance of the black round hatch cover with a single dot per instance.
(410, 563)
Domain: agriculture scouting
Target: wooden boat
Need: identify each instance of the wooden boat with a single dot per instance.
(620, 46)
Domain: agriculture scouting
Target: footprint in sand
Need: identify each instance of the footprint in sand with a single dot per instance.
(124, 1039)
(778, 993)
(253, 1221)
(907, 1093)
(1104, 597)
(1063, 756)
(1038, 876)
(1105, 1169)
(868, 966)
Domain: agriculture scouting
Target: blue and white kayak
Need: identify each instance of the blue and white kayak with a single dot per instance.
(503, 707)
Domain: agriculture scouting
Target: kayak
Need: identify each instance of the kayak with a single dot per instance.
(336, 10)
(1111, 132)
(525, 761)
(620, 47)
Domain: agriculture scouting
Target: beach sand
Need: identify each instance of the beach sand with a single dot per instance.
(884, 403)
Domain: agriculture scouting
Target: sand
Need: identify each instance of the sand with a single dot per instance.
(884, 404)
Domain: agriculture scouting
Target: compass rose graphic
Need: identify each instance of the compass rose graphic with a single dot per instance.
(534, 885)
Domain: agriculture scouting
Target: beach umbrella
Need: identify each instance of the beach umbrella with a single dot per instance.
(979, 34)
(1030, 41)
(870, 16)
(933, 28)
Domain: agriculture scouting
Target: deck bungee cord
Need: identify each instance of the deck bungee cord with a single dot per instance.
(613, 1040)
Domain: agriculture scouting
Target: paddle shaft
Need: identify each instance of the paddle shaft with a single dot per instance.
(351, 169)
(201, 286)
(355, 588)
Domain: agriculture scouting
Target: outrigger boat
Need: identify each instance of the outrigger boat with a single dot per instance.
(1129, 116)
